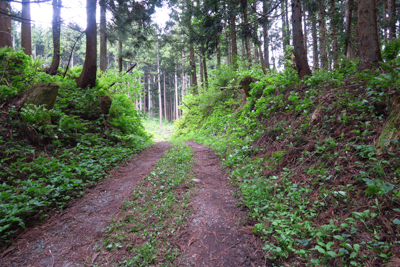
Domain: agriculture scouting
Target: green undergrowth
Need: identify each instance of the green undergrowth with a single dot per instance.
(159, 133)
(303, 155)
(50, 156)
(147, 226)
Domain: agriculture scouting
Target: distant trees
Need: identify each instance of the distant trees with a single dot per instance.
(56, 37)
(26, 38)
(5, 25)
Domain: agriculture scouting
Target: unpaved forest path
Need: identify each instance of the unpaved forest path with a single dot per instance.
(215, 234)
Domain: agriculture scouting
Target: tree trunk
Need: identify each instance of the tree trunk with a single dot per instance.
(176, 96)
(315, 41)
(103, 36)
(205, 69)
(246, 32)
(234, 48)
(349, 17)
(149, 95)
(287, 22)
(392, 19)
(305, 32)
(183, 76)
(56, 37)
(201, 71)
(262, 61)
(165, 99)
(370, 52)
(255, 54)
(335, 49)
(159, 87)
(5, 25)
(88, 75)
(322, 38)
(26, 39)
(120, 55)
(284, 37)
(299, 50)
(218, 57)
(193, 77)
(265, 35)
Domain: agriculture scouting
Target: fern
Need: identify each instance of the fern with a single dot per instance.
(68, 123)
(391, 49)
(37, 115)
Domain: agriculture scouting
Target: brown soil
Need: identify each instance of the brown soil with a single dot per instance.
(67, 238)
(217, 234)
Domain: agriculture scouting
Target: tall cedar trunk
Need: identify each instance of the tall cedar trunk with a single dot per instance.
(165, 99)
(284, 37)
(228, 49)
(201, 71)
(299, 51)
(193, 77)
(246, 32)
(159, 87)
(234, 48)
(183, 76)
(392, 19)
(322, 39)
(305, 32)
(103, 36)
(370, 52)
(205, 69)
(120, 55)
(315, 41)
(26, 38)
(218, 57)
(56, 37)
(335, 49)
(255, 54)
(88, 75)
(243, 51)
(349, 17)
(385, 20)
(287, 22)
(5, 25)
(144, 93)
(262, 61)
(265, 35)
(149, 95)
(176, 96)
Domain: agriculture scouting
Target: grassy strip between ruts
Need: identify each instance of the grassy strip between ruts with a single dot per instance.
(145, 229)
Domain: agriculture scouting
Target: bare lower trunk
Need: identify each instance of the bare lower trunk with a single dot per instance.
(322, 38)
(262, 61)
(370, 53)
(392, 19)
(56, 37)
(335, 49)
(315, 41)
(265, 35)
(234, 49)
(165, 99)
(120, 55)
(88, 75)
(159, 87)
(26, 39)
(193, 77)
(246, 33)
(349, 17)
(201, 71)
(205, 70)
(103, 36)
(176, 96)
(5, 25)
(299, 51)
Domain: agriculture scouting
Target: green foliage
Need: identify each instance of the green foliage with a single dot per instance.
(391, 49)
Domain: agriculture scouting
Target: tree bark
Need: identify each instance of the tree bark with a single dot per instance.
(392, 19)
(55, 63)
(218, 57)
(183, 76)
(265, 35)
(315, 41)
(335, 49)
(262, 61)
(88, 75)
(103, 36)
(26, 38)
(322, 37)
(284, 37)
(234, 48)
(149, 95)
(349, 17)
(205, 69)
(159, 86)
(246, 32)
(299, 50)
(176, 96)
(305, 32)
(201, 71)
(5, 25)
(120, 55)
(193, 77)
(369, 43)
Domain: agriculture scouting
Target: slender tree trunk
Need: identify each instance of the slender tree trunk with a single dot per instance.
(159, 87)
(265, 35)
(183, 76)
(103, 36)
(322, 38)
(56, 37)
(305, 32)
(5, 25)
(255, 54)
(349, 17)
(176, 96)
(201, 71)
(193, 77)
(299, 50)
(262, 61)
(165, 99)
(149, 92)
(315, 41)
(243, 51)
(287, 22)
(218, 57)
(26, 39)
(335, 48)
(205, 69)
(234, 49)
(392, 19)
(385, 19)
(246, 32)
(88, 75)
(370, 52)
(120, 55)
(284, 37)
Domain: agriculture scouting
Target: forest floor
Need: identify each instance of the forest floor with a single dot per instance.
(216, 232)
